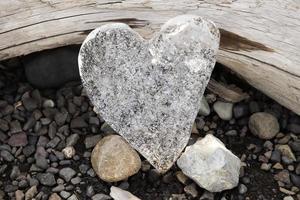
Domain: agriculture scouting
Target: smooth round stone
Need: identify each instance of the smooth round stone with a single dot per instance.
(223, 109)
(263, 125)
(204, 109)
(114, 160)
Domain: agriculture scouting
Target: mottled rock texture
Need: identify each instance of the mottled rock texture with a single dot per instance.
(150, 91)
(113, 159)
(210, 164)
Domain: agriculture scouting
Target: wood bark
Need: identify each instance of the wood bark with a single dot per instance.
(259, 38)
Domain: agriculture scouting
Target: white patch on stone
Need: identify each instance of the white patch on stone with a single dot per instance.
(210, 164)
(119, 194)
(150, 91)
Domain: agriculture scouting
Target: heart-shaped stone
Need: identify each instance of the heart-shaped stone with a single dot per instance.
(150, 91)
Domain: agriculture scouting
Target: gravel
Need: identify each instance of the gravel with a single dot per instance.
(53, 119)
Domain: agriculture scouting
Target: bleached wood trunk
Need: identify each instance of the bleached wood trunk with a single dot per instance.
(260, 38)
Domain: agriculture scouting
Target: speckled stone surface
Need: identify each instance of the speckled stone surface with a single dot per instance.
(210, 164)
(149, 91)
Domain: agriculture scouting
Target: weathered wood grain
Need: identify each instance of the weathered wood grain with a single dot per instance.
(260, 38)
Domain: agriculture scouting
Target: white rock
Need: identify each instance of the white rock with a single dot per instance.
(223, 109)
(150, 91)
(119, 194)
(69, 152)
(204, 107)
(210, 164)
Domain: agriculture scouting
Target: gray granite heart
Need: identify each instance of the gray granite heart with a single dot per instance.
(149, 91)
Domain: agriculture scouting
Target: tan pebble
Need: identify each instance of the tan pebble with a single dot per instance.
(285, 191)
(113, 159)
(182, 178)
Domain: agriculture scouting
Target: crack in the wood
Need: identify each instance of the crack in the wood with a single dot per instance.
(132, 22)
(235, 42)
(49, 20)
(263, 62)
(112, 2)
(39, 39)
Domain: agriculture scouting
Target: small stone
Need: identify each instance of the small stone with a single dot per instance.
(207, 196)
(65, 194)
(4, 125)
(283, 176)
(288, 198)
(60, 118)
(78, 122)
(15, 127)
(91, 141)
(295, 180)
(200, 123)
(194, 129)
(31, 192)
(3, 136)
(285, 150)
(276, 156)
(294, 128)
(18, 194)
(46, 179)
(210, 164)
(231, 133)
(145, 166)
(7, 156)
(52, 130)
(119, 194)
(94, 121)
(285, 191)
(29, 103)
(204, 109)
(53, 143)
(54, 196)
(72, 140)
(278, 166)
(265, 166)
(69, 152)
(284, 140)
(28, 150)
(263, 125)
(15, 172)
(240, 110)
(90, 191)
(29, 124)
(58, 188)
(114, 160)
(67, 173)
(48, 103)
(191, 190)
(10, 188)
(242, 189)
(105, 128)
(83, 168)
(297, 170)
(18, 139)
(223, 109)
(73, 197)
(182, 178)
(41, 162)
(76, 180)
(295, 145)
(268, 144)
(23, 184)
(101, 197)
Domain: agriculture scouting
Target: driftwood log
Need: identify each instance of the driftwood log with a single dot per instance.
(259, 38)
